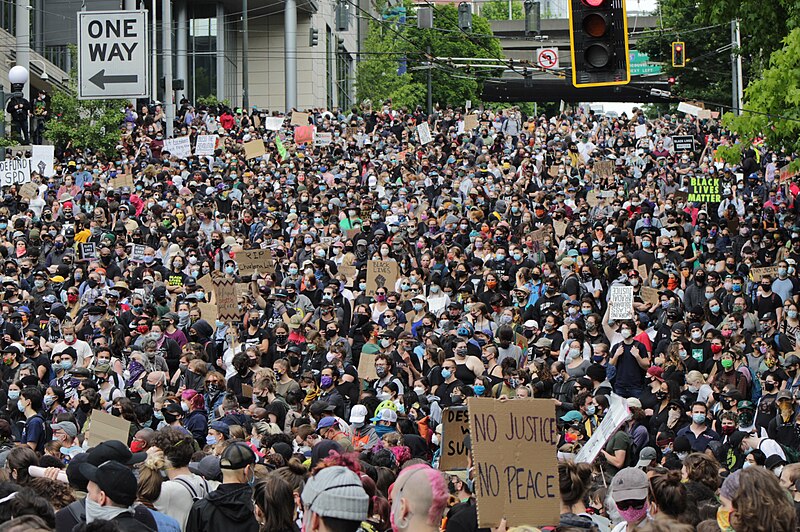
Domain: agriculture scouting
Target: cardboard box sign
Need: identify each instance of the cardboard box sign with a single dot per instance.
(381, 273)
(455, 426)
(366, 366)
(622, 307)
(227, 302)
(105, 427)
(87, 251)
(514, 446)
(250, 260)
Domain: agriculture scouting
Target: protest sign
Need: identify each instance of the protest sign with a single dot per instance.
(470, 122)
(650, 295)
(704, 189)
(680, 195)
(123, 180)
(304, 134)
(640, 131)
(621, 300)
(208, 311)
(179, 147)
(705, 114)
(758, 273)
(250, 260)
(381, 274)
(15, 171)
(299, 119)
(206, 144)
(618, 413)
(642, 269)
(87, 251)
(105, 427)
(323, 139)
(424, 133)
(455, 425)
(538, 237)
(281, 148)
(560, 227)
(206, 283)
(247, 390)
(273, 123)
(514, 456)
(689, 109)
(604, 169)
(29, 190)
(786, 173)
(137, 252)
(42, 160)
(683, 143)
(366, 366)
(254, 148)
(592, 198)
(227, 303)
(349, 271)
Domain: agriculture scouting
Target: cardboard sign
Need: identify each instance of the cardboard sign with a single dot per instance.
(350, 132)
(455, 425)
(640, 131)
(381, 274)
(180, 147)
(304, 135)
(538, 237)
(604, 169)
(227, 302)
(514, 456)
(424, 133)
(650, 295)
(366, 366)
(207, 284)
(29, 191)
(137, 252)
(323, 139)
(621, 300)
(689, 109)
(15, 172)
(642, 269)
(299, 119)
(206, 144)
(123, 180)
(680, 195)
(87, 251)
(273, 123)
(254, 148)
(683, 143)
(470, 122)
(618, 413)
(42, 160)
(560, 227)
(758, 273)
(704, 189)
(208, 311)
(250, 260)
(786, 174)
(247, 390)
(349, 271)
(105, 427)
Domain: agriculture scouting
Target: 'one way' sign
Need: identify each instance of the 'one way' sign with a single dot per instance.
(113, 54)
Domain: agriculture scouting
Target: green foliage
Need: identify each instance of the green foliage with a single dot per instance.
(775, 95)
(212, 101)
(377, 78)
(730, 154)
(712, 79)
(498, 10)
(84, 123)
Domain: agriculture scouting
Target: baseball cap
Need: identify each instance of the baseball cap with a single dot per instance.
(647, 455)
(318, 407)
(68, 427)
(115, 479)
(572, 416)
(336, 492)
(358, 414)
(386, 414)
(327, 422)
(237, 456)
(114, 450)
(656, 372)
(629, 484)
(207, 467)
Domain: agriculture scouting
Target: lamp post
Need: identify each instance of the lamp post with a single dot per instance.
(18, 77)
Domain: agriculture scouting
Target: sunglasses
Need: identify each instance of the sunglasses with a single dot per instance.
(630, 505)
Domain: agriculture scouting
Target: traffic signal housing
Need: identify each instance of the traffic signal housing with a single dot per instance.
(678, 55)
(313, 37)
(599, 43)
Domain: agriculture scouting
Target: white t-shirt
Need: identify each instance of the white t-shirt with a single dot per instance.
(176, 498)
(83, 350)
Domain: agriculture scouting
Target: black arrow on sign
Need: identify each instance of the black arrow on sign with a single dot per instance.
(100, 79)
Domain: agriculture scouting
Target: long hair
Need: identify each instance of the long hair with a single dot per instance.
(762, 504)
(275, 499)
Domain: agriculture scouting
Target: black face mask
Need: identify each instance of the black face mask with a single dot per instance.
(294, 361)
(85, 407)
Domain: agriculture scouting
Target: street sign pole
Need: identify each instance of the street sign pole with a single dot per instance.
(112, 55)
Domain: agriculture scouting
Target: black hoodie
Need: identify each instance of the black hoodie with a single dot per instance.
(229, 507)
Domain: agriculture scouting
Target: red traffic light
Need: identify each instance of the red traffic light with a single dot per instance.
(671, 80)
(678, 48)
(593, 3)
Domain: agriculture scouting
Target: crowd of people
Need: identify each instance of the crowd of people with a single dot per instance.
(320, 406)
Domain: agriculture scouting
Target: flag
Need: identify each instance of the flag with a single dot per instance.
(281, 150)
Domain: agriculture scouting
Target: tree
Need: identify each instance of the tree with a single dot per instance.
(707, 74)
(772, 103)
(389, 41)
(498, 10)
(84, 124)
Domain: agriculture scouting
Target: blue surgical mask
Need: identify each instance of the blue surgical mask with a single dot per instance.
(479, 389)
(13, 394)
(211, 440)
(591, 410)
(446, 373)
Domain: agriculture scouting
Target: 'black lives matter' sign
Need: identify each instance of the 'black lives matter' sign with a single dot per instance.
(704, 190)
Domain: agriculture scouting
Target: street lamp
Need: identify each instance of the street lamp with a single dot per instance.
(18, 77)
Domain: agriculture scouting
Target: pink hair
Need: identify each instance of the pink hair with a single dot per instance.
(439, 492)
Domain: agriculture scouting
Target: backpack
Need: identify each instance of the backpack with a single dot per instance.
(48, 431)
(193, 492)
(792, 455)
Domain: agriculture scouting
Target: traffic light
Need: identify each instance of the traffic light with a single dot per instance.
(313, 37)
(465, 16)
(599, 43)
(671, 80)
(678, 54)
(533, 17)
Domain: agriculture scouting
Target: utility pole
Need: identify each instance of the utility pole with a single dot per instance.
(430, 83)
(245, 55)
(23, 45)
(736, 67)
(166, 49)
(290, 53)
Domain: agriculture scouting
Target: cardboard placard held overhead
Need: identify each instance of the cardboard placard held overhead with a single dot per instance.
(758, 273)
(538, 237)
(704, 190)
(455, 426)
(299, 119)
(123, 180)
(381, 274)
(87, 251)
(470, 122)
(642, 269)
(207, 284)
(424, 133)
(366, 366)
(137, 252)
(273, 123)
(179, 147)
(29, 190)
(43, 159)
(560, 228)
(514, 455)
(650, 295)
(105, 427)
(254, 148)
(250, 260)
(604, 168)
(227, 302)
(304, 135)
(206, 144)
(621, 300)
(208, 311)
(640, 131)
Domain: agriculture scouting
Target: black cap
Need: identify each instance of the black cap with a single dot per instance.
(318, 407)
(237, 456)
(116, 480)
(116, 451)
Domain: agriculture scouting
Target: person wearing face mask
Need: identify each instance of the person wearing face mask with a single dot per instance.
(111, 494)
(726, 373)
(631, 360)
(772, 337)
(328, 380)
(445, 390)
(694, 295)
(629, 491)
(68, 339)
(699, 433)
(364, 435)
(230, 506)
(782, 427)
